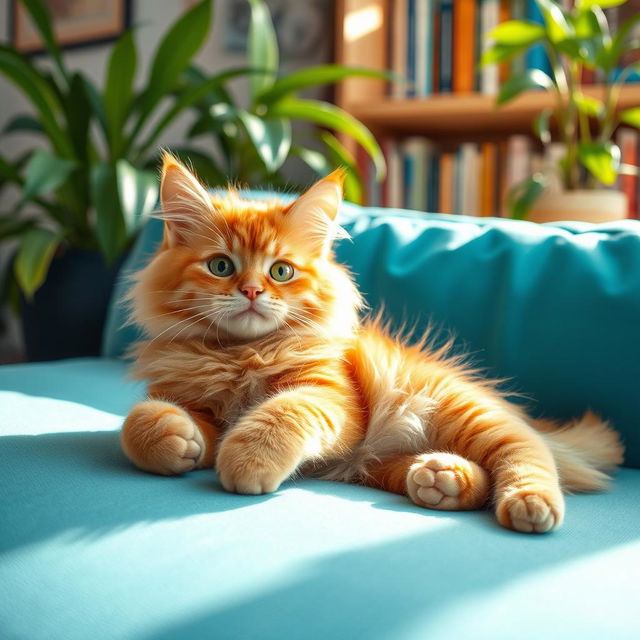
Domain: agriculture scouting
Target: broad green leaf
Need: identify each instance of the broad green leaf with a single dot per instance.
(577, 49)
(190, 97)
(77, 110)
(23, 122)
(45, 172)
(271, 138)
(501, 53)
(602, 160)
(590, 106)
(557, 26)
(519, 82)
(605, 4)
(517, 33)
(37, 89)
(522, 196)
(314, 159)
(41, 18)
(541, 125)
(111, 229)
(138, 193)
(97, 106)
(631, 116)
(332, 117)
(13, 224)
(313, 77)
(610, 59)
(194, 76)
(353, 187)
(263, 48)
(118, 88)
(591, 23)
(31, 265)
(173, 55)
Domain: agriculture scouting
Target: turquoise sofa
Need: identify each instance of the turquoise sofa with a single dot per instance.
(92, 548)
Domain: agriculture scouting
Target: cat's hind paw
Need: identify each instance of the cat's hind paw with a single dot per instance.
(531, 511)
(447, 482)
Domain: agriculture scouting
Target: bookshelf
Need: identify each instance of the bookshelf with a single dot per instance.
(362, 40)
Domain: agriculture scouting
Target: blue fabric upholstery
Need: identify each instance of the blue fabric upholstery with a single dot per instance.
(554, 308)
(93, 548)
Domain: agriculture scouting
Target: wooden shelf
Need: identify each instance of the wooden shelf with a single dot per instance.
(362, 39)
(468, 116)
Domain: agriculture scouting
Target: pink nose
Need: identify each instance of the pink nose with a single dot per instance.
(251, 292)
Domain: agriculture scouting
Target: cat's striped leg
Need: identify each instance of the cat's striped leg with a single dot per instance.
(526, 486)
(435, 480)
(161, 437)
(270, 442)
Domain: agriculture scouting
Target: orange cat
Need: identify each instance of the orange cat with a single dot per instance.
(258, 365)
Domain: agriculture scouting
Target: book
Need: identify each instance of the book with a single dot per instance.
(446, 183)
(627, 140)
(468, 180)
(394, 175)
(411, 49)
(464, 45)
(424, 46)
(488, 167)
(446, 46)
(489, 18)
(399, 48)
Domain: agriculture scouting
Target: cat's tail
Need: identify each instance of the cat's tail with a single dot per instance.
(584, 451)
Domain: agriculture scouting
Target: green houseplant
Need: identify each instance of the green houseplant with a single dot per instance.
(254, 140)
(84, 197)
(573, 40)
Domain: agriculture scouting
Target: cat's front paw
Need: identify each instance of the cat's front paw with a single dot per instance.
(248, 466)
(531, 511)
(160, 437)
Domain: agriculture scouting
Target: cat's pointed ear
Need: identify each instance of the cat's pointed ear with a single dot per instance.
(185, 202)
(311, 218)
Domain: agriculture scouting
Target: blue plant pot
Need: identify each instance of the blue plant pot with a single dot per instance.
(66, 316)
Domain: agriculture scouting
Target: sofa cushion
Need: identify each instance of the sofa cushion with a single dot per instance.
(92, 548)
(553, 308)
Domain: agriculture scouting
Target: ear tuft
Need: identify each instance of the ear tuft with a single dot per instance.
(185, 202)
(310, 219)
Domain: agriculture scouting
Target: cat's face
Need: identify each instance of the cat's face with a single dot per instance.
(230, 269)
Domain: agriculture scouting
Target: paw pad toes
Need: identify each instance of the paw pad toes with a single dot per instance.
(430, 495)
(424, 477)
(448, 482)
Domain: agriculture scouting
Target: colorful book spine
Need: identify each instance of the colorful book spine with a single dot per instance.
(424, 46)
(464, 49)
(399, 48)
(627, 140)
(411, 48)
(446, 187)
(489, 18)
(446, 46)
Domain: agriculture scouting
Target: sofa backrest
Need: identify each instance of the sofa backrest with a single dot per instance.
(553, 308)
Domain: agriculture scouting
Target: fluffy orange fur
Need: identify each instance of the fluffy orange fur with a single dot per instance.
(258, 365)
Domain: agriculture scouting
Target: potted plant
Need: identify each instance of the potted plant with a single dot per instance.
(84, 197)
(255, 140)
(590, 164)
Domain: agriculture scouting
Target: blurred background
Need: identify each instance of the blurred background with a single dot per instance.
(511, 108)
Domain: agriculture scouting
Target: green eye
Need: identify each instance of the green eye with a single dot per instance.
(281, 271)
(221, 266)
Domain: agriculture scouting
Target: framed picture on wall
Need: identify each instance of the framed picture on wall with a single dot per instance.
(75, 22)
